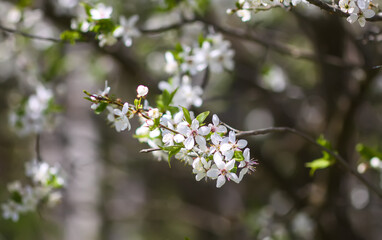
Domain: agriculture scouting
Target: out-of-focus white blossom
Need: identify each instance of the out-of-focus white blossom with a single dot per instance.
(127, 30)
(31, 118)
(100, 11)
(46, 180)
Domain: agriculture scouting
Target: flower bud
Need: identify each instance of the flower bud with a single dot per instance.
(142, 91)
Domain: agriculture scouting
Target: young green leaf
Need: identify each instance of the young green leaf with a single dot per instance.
(70, 36)
(238, 156)
(320, 163)
(186, 114)
(100, 108)
(367, 152)
(201, 117)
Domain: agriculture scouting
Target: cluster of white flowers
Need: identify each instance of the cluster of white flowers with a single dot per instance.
(246, 7)
(96, 18)
(213, 53)
(210, 149)
(31, 116)
(358, 10)
(46, 180)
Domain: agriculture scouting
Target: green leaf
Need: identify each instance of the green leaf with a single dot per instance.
(70, 36)
(325, 143)
(172, 153)
(320, 163)
(17, 197)
(368, 153)
(164, 100)
(104, 26)
(172, 150)
(200, 40)
(137, 103)
(234, 169)
(201, 117)
(100, 108)
(178, 48)
(186, 114)
(24, 3)
(238, 156)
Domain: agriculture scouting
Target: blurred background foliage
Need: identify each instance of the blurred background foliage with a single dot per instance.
(115, 192)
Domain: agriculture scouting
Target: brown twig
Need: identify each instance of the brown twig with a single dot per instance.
(335, 11)
(28, 35)
(150, 150)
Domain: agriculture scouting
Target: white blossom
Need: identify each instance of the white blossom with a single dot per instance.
(127, 30)
(222, 170)
(101, 12)
(122, 122)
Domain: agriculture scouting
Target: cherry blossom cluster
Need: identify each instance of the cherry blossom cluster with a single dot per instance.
(212, 52)
(244, 8)
(33, 113)
(98, 19)
(358, 10)
(46, 180)
(173, 131)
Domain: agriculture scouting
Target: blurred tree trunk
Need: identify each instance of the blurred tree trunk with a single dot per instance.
(84, 181)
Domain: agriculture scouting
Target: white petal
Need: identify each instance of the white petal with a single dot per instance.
(204, 130)
(125, 108)
(201, 141)
(352, 18)
(233, 177)
(242, 143)
(213, 173)
(246, 154)
(194, 124)
(215, 120)
(218, 159)
(167, 138)
(200, 176)
(118, 112)
(225, 147)
(220, 182)
(221, 129)
(189, 143)
(362, 21)
(230, 165)
(178, 138)
(232, 137)
(215, 138)
(368, 13)
(229, 154)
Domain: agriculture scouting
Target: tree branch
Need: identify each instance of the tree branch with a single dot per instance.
(28, 35)
(276, 46)
(338, 12)
(312, 141)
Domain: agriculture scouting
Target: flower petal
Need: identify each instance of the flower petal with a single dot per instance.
(220, 182)
(213, 173)
(189, 143)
